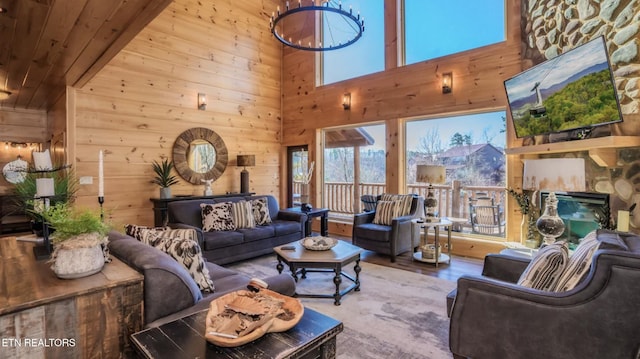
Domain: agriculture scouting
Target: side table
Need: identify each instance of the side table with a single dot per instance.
(323, 213)
(424, 228)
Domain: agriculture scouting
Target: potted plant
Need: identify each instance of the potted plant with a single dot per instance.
(65, 188)
(163, 177)
(79, 240)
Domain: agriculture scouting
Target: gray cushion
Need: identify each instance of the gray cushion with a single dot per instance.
(221, 239)
(285, 227)
(257, 233)
(375, 232)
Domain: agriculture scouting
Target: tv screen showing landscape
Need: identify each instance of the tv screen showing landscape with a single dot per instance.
(574, 90)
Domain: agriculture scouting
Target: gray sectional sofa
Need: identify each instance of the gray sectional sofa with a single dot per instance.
(169, 291)
(224, 247)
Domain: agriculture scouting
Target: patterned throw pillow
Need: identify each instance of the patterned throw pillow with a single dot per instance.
(135, 230)
(185, 251)
(217, 217)
(242, 213)
(545, 269)
(385, 212)
(579, 263)
(261, 211)
(152, 236)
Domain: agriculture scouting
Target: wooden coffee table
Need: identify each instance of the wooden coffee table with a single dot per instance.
(313, 337)
(301, 261)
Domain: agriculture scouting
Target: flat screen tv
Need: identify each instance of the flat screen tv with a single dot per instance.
(571, 94)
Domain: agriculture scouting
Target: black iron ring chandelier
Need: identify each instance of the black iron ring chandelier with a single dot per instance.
(344, 33)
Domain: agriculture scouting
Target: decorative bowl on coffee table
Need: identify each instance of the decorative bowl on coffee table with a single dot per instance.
(243, 316)
(318, 243)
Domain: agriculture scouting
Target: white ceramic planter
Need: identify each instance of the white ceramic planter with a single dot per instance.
(78, 262)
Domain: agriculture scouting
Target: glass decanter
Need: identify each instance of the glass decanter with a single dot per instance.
(550, 225)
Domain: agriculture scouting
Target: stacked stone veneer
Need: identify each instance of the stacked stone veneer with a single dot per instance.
(552, 27)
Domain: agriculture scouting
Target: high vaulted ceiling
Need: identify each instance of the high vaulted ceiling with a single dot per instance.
(46, 45)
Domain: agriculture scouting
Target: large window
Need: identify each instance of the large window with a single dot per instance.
(471, 148)
(366, 55)
(438, 28)
(354, 165)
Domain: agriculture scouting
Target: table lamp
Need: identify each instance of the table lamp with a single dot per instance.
(430, 174)
(245, 161)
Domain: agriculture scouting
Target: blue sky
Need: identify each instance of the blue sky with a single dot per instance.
(434, 28)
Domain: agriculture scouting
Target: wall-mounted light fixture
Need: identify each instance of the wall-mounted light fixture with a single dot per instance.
(346, 101)
(447, 82)
(4, 94)
(202, 101)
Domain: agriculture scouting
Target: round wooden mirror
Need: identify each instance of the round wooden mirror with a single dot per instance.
(199, 154)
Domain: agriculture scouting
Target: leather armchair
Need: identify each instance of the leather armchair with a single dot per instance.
(391, 240)
(492, 317)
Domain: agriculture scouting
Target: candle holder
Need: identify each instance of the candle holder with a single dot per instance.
(44, 250)
(101, 201)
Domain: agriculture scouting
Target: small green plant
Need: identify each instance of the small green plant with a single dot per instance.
(65, 188)
(527, 208)
(69, 222)
(163, 177)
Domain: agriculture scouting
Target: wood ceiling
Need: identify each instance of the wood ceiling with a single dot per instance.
(46, 45)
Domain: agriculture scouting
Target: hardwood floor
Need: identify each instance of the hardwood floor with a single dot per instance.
(450, 271)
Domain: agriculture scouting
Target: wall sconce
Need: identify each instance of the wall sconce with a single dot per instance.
(4, 94)
(447, 82)
(346, 101)
(202, 101)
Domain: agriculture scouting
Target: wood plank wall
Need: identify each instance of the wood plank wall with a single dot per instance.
(396, 94)
(137, 105)
(19, 125)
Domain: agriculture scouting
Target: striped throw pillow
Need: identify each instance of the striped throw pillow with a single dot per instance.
(385, 212)
(403, 203)
(242, 213)
(545, 269)
(579, 263)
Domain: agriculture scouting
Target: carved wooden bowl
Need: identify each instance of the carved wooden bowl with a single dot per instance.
(243, 316)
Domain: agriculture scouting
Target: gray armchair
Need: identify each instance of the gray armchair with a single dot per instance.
(392, 240)
(492, 317)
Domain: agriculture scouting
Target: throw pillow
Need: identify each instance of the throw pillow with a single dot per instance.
(217, 217)
(385, 212)
(545, 269)
(403, 203)
(579, 263)
(261, 211)
(152, 236)
(242, 213)
(185, 251)
(135, 230)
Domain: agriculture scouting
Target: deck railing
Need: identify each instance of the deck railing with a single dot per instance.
(453, 199)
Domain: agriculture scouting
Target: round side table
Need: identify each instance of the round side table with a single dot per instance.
(424, 228)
